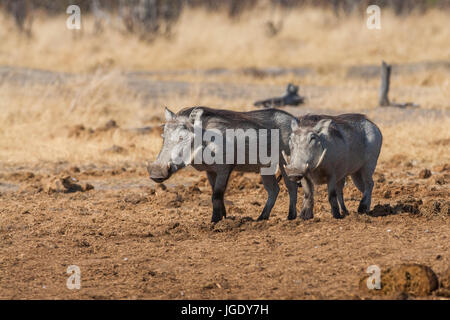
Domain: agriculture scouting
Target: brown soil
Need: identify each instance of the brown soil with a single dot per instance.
(407, 279)
(133, 239)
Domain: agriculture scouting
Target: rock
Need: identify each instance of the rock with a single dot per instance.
(407, 279)
(74, 169)
(65, 184)
(440, 181)
(424, 174)
(111, 124)
(135, 199)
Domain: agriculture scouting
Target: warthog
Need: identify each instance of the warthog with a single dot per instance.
(182, 129)
(326, 149)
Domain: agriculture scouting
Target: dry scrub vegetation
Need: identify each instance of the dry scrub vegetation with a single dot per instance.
(310, 37)
(36, 118)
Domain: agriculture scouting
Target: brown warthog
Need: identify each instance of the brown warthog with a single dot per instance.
(326, 149)
(220, 141)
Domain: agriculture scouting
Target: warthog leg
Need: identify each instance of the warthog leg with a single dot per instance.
(366, 175)
(308, 199)
(340, 195)
(218, 183)
(271, 185)
(292, 189)
(332, 198)
(357, 180)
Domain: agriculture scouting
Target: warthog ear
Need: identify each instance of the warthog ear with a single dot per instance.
(323, 126)
(169, 114)
(195, 115)
(294, 125)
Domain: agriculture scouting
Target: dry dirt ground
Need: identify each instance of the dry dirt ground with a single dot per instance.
(133, 239)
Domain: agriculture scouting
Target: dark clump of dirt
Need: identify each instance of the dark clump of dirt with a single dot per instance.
(232, 224)
(409, 205)
(63, 184)
(425, 174)
(440, 180)
(135, 199)
(440, 207)
(404, 280)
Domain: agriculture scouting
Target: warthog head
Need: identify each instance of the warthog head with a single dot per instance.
(307, 152)
(178, 137)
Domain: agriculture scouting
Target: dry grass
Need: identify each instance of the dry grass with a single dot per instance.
(425, 141)
(36, 124)
(36, 120)
(310, 37)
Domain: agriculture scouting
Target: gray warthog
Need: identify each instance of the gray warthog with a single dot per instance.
(326, 149)
(182, 129)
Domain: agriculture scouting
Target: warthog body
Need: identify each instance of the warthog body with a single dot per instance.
(185, 124)
(326, 149)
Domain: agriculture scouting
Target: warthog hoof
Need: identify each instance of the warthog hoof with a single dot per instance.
(262, 217)
(335, 213)
(362, 208)
(216, 219)
(306, 213)
(292, 216)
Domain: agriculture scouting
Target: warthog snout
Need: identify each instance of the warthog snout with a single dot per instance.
(293, 173)
(159, 172)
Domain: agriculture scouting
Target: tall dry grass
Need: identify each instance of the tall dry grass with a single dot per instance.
(36, 119)
(310, 37)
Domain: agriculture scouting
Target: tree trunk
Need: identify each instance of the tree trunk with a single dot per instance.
(383, 99)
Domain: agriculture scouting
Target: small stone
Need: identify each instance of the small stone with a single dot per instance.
(425, 174)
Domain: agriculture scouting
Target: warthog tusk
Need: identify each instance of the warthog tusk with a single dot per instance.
(321, 159)
(284, 156)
